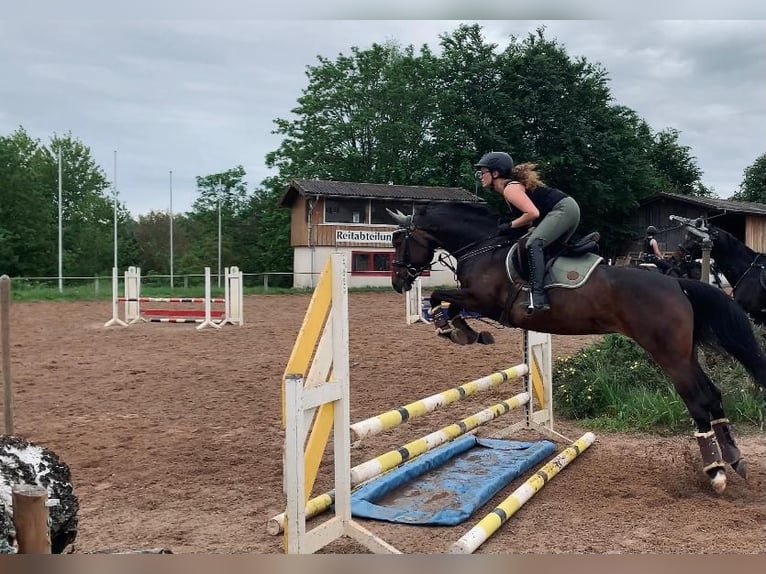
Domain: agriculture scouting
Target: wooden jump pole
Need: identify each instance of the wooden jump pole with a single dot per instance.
(5, 351)
(488, 525)
(395, 417)
(369, 469)
(30, 517)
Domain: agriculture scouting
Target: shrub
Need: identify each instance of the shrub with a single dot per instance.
(615, 384)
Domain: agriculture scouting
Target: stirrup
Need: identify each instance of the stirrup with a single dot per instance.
(542, 303)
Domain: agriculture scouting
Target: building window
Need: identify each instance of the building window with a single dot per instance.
(379, 215)
(345, 211)
(374, 263)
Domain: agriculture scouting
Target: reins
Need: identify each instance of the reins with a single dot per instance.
(750, 268)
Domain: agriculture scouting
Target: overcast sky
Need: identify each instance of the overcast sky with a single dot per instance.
(198, 97)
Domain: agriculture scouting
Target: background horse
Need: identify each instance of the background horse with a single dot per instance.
(667, 317)
(742, 267)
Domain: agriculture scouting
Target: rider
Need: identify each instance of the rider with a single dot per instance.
(530, 200)
(652, 253)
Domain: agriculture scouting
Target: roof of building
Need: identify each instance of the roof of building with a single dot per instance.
(324, 188)
(712, 203)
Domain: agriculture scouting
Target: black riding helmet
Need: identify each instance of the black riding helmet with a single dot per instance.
(496, 161)
(651, 230)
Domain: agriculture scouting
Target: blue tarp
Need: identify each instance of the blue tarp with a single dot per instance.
(445, 486)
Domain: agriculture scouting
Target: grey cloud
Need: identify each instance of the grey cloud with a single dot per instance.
(199, 96)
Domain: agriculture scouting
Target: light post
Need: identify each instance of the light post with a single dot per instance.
(61, 211)
(219, 235)
(171, 229)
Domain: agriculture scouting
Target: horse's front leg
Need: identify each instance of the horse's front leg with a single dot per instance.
(446, 307)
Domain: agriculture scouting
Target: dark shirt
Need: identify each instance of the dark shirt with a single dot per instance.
(544, 198)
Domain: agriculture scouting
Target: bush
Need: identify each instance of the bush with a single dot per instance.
(615, 384)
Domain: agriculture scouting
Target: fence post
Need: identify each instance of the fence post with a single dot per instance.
(265, 282)
(5, 351)
(97, 286)
(30, 517)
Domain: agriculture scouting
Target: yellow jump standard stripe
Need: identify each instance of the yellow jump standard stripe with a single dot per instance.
(395, 417)
(385, 462)
(488, 525)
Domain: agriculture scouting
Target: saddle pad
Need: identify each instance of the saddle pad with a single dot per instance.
(568, 272)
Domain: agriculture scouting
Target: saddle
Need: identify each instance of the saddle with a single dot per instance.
(518, 267)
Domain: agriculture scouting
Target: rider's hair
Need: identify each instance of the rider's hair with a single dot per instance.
(526, 174)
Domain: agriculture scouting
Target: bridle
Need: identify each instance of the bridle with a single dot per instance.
(413, 272)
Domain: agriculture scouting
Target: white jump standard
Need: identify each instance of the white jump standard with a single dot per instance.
(232, 313)
(316, 405)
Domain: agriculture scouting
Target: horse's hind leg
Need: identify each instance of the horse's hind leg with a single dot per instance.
(701, 399)
(729, 450)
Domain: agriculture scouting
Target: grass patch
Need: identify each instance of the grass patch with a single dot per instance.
(615, 385)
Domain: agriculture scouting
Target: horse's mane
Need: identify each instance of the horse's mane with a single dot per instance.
(729, 241)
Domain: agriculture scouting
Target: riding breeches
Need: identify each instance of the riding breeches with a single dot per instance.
(560, 223)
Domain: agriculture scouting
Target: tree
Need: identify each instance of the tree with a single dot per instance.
(753, 186)
(676, 167)
(223, 193)
(363, 117)
(27, 216)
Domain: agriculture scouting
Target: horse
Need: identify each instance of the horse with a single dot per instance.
(742, 266)
(666, 316)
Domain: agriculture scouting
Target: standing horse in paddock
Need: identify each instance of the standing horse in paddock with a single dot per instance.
(667, 317)
(744, 269)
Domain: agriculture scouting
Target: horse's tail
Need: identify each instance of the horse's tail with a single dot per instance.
(720, 321)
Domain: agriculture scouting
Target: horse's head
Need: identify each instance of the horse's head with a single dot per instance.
(450, 226)
(414, 252)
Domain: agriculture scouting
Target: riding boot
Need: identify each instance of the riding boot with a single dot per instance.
(538, 300)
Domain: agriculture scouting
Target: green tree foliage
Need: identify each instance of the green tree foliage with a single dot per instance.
(29, 184)
(675, 165)
(753, 186)
(388, 113)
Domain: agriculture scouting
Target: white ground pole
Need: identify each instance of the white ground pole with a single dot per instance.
(298, 399)
(413, 305)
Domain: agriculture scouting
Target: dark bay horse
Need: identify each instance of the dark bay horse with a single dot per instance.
(667, 317)
(742, 267)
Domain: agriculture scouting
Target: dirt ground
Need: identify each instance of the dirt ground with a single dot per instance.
(174, 438)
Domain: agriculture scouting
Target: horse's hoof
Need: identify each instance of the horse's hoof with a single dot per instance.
(486, 338)
(460, 337)
(740, 467)
(718, 482)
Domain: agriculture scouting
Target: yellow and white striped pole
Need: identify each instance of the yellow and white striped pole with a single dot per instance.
(488, 525)
(370, 469)
(395, 417)
(394, 458)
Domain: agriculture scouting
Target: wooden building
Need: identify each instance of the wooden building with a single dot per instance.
(332, 216)
(745, 220)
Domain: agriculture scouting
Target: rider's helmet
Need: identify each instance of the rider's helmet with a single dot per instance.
(496, 161)
(651, 230)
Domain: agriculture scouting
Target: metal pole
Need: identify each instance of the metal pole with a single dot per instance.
(219, 236)
(171, 229)
(114, 193)
(5, 350)
(61, 211)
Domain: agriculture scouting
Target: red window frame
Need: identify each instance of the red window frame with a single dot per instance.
(370, 255)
